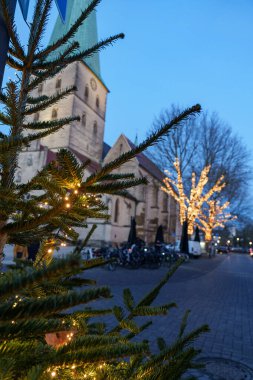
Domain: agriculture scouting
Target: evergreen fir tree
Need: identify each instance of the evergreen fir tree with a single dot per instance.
(39, 339)
(64, 199)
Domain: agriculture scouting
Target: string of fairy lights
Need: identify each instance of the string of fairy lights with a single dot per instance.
(214, 216)
(191, 207)
(60, 238)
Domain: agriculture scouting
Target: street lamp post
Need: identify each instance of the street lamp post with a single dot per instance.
(4, 37)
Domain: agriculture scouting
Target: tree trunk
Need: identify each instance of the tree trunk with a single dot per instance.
(3, 241)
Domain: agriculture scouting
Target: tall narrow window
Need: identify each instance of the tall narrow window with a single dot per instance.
(29, 160)
(18, 177)
(83, 119)
(58, 83)
(97, 102)
(95, 129)
(54, 114)
(40, 88)
(144, 193)
(155, 196)
(86, 92)
(36, 117)
(116, 211)
(165, 202)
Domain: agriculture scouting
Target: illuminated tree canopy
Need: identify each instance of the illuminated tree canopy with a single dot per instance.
(190, 207)
(212, 216)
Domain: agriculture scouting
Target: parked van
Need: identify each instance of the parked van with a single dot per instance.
(194, 247)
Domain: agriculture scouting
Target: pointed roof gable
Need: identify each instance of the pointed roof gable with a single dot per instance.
(86, 34)
(141, 158)
(147, 164)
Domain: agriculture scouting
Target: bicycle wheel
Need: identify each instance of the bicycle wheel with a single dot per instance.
(111, 266)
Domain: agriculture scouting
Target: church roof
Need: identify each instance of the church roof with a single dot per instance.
(106, 148)
(51, 156)
(86, 34)
(142, 159)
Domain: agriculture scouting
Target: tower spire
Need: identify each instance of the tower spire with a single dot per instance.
(86, 34)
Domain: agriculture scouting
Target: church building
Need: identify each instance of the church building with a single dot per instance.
(149, 205)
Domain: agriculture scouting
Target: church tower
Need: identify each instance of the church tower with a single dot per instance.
(84, 138)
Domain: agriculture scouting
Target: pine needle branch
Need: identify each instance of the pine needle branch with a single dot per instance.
(71, 32)
(155, 137)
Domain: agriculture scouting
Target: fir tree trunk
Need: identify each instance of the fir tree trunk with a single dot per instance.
(3, 241)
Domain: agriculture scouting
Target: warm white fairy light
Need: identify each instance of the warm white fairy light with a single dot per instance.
(213, 216)
(190, 207)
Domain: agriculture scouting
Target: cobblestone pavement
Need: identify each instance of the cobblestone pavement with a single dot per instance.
(218, 292)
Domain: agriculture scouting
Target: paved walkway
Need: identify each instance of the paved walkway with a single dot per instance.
(218, 292)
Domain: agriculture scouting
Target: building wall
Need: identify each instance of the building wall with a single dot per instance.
(63, 108)
(87, 136)
(152, 207)
(29, 163)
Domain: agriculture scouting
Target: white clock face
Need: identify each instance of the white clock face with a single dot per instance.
(93, 84)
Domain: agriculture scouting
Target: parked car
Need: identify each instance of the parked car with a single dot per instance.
(238, 250)
(222, 249)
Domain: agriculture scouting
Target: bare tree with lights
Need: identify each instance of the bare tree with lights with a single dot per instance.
(203, 141)
(213, 215)
(190, 205)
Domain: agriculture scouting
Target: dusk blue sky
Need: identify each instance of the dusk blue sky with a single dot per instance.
(182, 52)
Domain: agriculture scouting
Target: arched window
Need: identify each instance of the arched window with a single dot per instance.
(120, 148)
(18, 177)
(144, 192)
(36, 117)
(116, 211)
(155, 196)
(29, 160)
(97, 102)
(95, 129)
(54, 114)
(165, 202)
(83, 119)
(86, 92)
(40, 88)
(58, 83)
